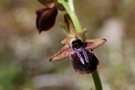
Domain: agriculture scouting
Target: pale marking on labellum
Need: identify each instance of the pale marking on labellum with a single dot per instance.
(79, 55)
(86, 56)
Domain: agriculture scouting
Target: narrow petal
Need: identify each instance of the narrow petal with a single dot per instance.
(65, 52)
(66, 40)
(94, 43)
(80, 34)
(70, 37)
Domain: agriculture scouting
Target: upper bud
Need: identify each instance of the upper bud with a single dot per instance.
(46, 18)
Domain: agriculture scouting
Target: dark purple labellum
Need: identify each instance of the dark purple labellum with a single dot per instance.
(83, 61)
(45, 18)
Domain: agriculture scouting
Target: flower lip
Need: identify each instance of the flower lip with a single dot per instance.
(87, 66)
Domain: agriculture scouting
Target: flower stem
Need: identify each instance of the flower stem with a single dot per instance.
(69, 6)
(71, 3)
(97, 80)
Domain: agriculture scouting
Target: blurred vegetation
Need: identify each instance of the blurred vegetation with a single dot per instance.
(24, 54)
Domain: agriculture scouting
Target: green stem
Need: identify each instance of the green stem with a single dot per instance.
(76, 22)
(78, 28)
(71, 3)
(97, 80)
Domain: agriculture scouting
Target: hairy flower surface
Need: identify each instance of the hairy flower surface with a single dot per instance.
(78, 50)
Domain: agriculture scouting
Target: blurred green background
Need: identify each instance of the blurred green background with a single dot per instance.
(24, 53)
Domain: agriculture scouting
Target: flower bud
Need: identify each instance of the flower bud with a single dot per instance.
(45, 18)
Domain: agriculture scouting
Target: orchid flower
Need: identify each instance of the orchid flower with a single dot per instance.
(78, 50)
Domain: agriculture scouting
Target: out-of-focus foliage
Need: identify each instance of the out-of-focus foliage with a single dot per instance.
(24, 53)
